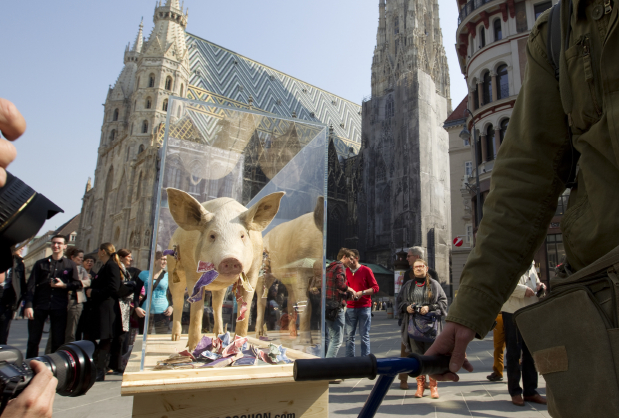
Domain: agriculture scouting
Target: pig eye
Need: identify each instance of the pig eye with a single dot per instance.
(242, 236)
(212, 236)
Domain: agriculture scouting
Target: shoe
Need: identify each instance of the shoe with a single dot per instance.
(421, 380)
(403, 385)
(537, 398)
(493, 377)
(517, 400)
(433, 389)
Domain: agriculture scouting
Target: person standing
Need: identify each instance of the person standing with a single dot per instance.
(335, 300)
(82, 333)
(77, 298)
(359, 313)
(160, 305)
(523, 295)
(419, 299)
(119, 343)
(13, 291)
(48, 286)
(106, 318)
(498, 338)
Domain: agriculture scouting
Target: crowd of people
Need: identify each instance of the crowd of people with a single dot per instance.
(105, 307)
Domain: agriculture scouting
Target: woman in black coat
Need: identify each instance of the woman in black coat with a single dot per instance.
(106, 318)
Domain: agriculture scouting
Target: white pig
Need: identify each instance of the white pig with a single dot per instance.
(222, 232)
(285, 244)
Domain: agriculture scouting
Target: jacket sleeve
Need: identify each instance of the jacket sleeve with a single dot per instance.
(529, 174)
(74, 279)
(400, 302)
(32, 284)
(340, 278)
(371, 281)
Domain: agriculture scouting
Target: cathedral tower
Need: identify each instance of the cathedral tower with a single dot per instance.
(119, 208)
(403, 197)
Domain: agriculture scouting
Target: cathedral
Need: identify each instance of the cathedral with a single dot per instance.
(120, 206)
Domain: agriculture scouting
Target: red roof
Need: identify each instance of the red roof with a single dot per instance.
(460, 111)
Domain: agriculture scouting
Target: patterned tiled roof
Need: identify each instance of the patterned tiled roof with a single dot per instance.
(220, 75)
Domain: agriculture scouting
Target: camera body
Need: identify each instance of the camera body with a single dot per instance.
(15, 374)
(416, 309)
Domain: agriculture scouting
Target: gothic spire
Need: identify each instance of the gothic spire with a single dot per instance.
(137, 45)
(173, 3)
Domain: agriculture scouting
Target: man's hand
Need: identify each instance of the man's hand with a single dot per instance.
(529, 293)
(453, 341)
(12, 125)
(168, 311)
(141, 313)
(37, 400)
(29, 313)
(424, 310)
(59, 284)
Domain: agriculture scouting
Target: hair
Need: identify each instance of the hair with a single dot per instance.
(110, 250)
(354, 253)
(60, 236)
(344, 252)
(158, 255)
(428, 287)
(89, 257)
(123, 252)
(72, 252)
(418, 251)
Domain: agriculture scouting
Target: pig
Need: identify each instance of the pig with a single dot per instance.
(222, 232)
(288, 242)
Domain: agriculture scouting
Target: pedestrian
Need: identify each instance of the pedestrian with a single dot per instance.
(359, 312)
(335, 302)
(498, 338)
(77, 297)
(13, 292)
(82, 331)
(48, 285)
(106, 317)
(523, 295)
(161, 302)
(421, 301)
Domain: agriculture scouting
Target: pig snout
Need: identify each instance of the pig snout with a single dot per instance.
(230, 266)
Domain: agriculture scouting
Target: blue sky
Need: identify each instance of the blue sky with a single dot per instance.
(59, 57)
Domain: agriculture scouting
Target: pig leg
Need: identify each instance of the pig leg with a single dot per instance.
(260, 305)
(306, 314)
(178, 298)
(195, 324)
(218, 301)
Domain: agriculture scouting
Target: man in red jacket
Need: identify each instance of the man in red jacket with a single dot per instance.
(359, 313)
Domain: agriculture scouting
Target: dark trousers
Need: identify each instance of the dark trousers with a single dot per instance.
(116, 352)
(6, 316)
(58, 320)
(515, 346)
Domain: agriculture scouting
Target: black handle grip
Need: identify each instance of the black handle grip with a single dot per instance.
(432, 364)
(335, 368)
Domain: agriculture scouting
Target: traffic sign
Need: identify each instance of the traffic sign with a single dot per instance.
(458, 242)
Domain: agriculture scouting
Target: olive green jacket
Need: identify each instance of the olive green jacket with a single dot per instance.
(535, 160)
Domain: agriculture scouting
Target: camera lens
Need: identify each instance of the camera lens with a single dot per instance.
(73, 366)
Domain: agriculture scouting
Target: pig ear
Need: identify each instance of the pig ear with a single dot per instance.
(260, 215)
(187, 212)
(319, 213)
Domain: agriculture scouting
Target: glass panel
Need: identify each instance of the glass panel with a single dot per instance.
(236, 190)
(521, 17)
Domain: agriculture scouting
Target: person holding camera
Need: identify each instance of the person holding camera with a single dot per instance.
(48, 296)
(421, 304)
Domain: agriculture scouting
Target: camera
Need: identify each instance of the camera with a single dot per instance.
(416, 309)
(71, 364)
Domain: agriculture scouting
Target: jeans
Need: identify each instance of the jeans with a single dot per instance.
(515, 344)
(361, 317)
(334, 334)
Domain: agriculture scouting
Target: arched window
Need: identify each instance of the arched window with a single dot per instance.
(476, 97)
(140, 149)
(165, 105)
(389, 107)
(503, 125)
(149, 103)
(113, 135)
(168, 83)
(502, 82)
(145, 127)
(490, 152)
(138, 82)
(128, 153)
(487, 93)
(482, 37)
(115, 117)
(182, 88)
(151, 80)
(498, 31)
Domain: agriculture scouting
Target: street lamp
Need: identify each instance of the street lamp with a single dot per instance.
(466, 136)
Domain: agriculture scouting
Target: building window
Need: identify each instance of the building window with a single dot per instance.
(380, 173)
(165, 105)
(498, 31)
(396, 25)
(490, 153)
(469, 233)
(140, 149)
(476, 97)
(151, 80)
(555, 249)
(182, 88)
(562, 204)
(468, 168)
(487, 93)
(135, 103)
(503, 125)
(168, 83)
(521, 17)
(502, 82)
(115, 117)
(389, 107)
(540, 8)
(149, 103)
(482, 37)
(478, 149)
(113, 135)
(145, 127)
(131, 128)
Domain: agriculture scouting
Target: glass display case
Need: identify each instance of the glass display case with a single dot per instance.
(238, 252)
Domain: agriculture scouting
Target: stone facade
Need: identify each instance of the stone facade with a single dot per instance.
(403, 192)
